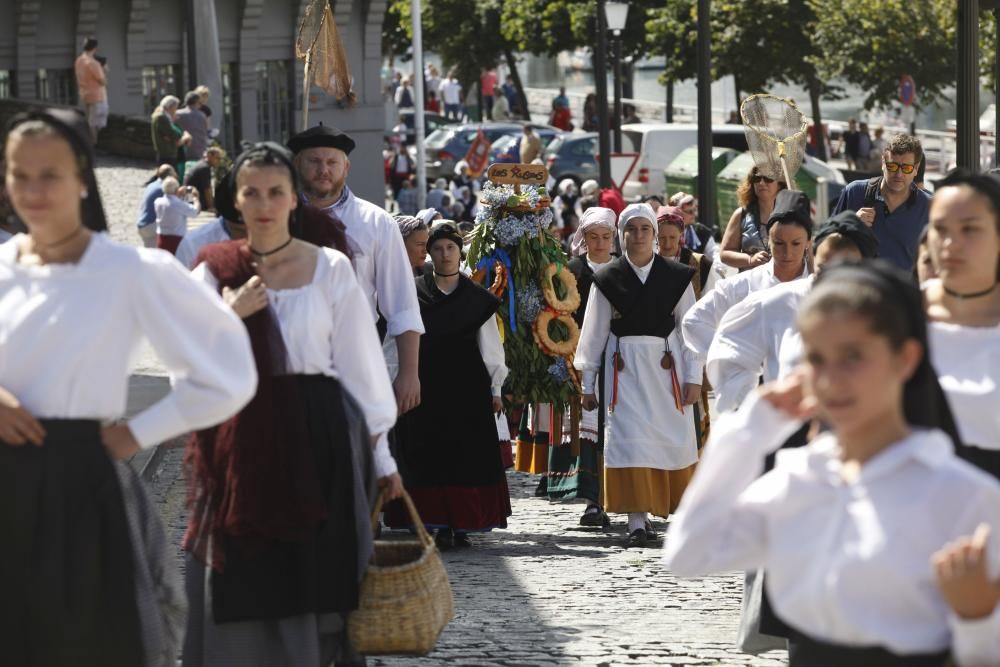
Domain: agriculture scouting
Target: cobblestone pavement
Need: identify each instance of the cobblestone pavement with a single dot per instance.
(542, 592)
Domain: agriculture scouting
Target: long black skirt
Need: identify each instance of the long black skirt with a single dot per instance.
(804, 651)
(268, 580)
(67, 587)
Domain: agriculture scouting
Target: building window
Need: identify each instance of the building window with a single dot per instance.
(6, 84)
(158, 81)
(56, 86)
(274, 100)
(230, 107)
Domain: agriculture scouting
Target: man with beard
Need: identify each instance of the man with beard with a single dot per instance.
(379, 255)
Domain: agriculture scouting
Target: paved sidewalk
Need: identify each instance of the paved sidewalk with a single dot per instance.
(548, 592)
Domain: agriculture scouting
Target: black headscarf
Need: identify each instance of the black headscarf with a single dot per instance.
(849, 225)
(72, 127)
(924, 402)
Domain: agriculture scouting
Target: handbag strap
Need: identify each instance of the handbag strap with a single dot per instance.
(418, 524)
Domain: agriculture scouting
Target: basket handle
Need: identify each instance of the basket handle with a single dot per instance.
(422, 533)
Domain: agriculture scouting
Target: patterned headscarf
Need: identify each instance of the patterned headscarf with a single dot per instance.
(409, 224)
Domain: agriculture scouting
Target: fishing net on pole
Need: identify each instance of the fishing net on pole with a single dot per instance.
(318, 44)
(777, 132)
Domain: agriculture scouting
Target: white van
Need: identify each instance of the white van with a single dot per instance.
(659, 143)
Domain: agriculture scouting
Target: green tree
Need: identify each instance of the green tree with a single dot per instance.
(872, 43)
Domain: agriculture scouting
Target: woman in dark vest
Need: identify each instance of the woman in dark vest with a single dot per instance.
(447, 446)
(579, 475)
(635, 305)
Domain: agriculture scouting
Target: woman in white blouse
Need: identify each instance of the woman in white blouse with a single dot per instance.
(448, 444)
(963, 306)
(73, 306)
(846, 527)
(279, 531)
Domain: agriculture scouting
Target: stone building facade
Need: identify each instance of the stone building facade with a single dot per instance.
(244, 50)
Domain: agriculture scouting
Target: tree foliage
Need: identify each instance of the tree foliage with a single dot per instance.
(872, 43)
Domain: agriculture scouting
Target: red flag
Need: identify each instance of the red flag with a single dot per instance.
(478, 156)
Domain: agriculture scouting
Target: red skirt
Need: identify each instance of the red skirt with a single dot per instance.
(168, 242)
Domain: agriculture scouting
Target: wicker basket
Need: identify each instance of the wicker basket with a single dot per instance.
(405, 597)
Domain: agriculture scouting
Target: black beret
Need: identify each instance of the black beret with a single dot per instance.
(849, 225)
(444, 230)
(321, 136)
(792, 206)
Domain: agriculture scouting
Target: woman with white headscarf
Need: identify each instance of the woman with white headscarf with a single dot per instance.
(577, 475)
(632, 325)
(566, 207)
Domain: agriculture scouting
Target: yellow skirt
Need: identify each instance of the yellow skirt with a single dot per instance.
(532, 458)
(645, 489)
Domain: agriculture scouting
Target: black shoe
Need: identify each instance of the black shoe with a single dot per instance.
(637, 538)
(542, 490)
(595, 517)
(651, 533)
(444, 539)
(461, 540)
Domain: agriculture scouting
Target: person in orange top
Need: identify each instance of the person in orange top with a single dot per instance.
(93, 87)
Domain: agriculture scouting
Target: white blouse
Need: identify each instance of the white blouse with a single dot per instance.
(67, 332)
(195, 240)
(702, 321)
(967, 361)
(847, 562)
(760, 331)
(326, 333)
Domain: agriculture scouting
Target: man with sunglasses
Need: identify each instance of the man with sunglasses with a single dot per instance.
(891, 204)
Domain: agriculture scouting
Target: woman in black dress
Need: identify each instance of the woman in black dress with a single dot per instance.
(448, 452)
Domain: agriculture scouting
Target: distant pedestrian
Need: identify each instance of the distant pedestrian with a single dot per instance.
(172, 213)
(590, 120)
(510, 92)
(146, 223)
(169, 140)
(629, 114)
(406, 198)
(488, 84)
(451, 95)
(404, 97)
(439, 198)
(200, 176)
(92, 84)
(849, 144)
(194, 122)
(433, 104)
(433, 80)
(864, 158)
(203, 94)
(400, 170)
(530, 146)
(561, 115)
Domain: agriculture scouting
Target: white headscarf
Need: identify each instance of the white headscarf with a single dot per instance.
(589, 187)
(636, 211)
(593, 217)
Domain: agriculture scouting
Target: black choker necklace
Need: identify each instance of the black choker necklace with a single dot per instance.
(271, 252)
(972, 295)
(446, 275)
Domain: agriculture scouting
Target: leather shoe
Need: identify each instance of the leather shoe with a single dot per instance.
(595, 519)
(542, 490)
(444, 539)
(637, 538)
(651, 533)
(461, 540)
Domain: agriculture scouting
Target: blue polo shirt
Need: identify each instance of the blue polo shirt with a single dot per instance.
(147, 211)
(898, 233)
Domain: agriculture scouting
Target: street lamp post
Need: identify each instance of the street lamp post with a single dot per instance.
(616, 14)
(967, 107)
(601, 90)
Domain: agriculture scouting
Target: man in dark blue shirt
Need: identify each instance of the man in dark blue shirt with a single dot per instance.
(891, 204)
(147, 213)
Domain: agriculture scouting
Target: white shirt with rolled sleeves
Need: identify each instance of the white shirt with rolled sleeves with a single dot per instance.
(756, 337)
(380, 263)
(342, 345)
(172, 213)
(847, 562)
(702, 321)
(67, 331)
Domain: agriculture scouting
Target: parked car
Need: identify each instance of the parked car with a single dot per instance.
(432, 122)
(508, 147)
(658, 144)
(449, 144)
(573, 156)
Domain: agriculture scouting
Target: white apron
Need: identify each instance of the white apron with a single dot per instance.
(646, 430)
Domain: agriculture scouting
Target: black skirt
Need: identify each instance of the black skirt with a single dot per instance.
(266, 580)
(805, 651)
(66, 571)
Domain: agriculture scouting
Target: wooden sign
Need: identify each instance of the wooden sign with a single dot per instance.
(518, 174)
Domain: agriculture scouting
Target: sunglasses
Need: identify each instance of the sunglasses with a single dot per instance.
(893, 167)
(760, 178)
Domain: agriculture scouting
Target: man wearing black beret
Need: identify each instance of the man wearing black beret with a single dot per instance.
(380, 260)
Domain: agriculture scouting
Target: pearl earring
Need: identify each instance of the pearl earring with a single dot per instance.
(84, 194)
